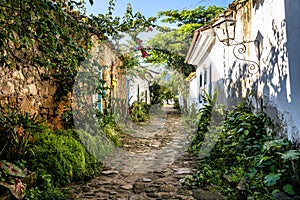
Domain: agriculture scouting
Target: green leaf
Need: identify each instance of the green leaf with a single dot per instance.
(5, 185)
(240, 130)
(91, 2)
(290, 155)
(12, 169)
(289, 189)
(271, 179)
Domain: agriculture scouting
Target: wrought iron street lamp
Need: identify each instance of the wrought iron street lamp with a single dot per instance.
(225, 31)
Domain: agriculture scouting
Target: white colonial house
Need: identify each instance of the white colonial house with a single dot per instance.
(252, 53)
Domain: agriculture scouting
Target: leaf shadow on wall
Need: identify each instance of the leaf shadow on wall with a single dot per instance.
(257, 3)
(273, 75)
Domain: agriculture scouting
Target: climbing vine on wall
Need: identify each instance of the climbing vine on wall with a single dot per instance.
(55, 35)
(48, 35)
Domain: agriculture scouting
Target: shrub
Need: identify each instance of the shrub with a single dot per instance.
(17, 132)
(139, 111)
(248, 161)
(63, 157)
(10, 178)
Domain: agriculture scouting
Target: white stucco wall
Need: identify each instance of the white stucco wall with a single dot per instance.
(277, 27)
(192, 101)
(140, 85)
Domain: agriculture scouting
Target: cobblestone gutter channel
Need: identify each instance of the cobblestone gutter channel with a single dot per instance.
(150, 165)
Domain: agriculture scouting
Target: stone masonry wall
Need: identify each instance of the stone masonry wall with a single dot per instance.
(25, 89)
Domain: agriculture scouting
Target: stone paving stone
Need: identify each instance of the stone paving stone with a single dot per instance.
(126, 187)
(150, 165)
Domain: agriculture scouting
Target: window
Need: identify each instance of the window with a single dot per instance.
(200, 80)
(200, 87)
(205, 77)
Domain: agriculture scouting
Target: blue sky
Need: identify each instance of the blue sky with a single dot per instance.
(151, 7)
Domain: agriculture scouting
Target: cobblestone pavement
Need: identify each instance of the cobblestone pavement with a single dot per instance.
(150, 165)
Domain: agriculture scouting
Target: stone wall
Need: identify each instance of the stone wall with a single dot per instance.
(24, 87)
(111, 72)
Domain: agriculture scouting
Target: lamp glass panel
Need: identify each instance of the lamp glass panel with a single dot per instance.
(230, 29)
(221, 33)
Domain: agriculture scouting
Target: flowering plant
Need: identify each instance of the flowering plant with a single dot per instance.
(15, 186)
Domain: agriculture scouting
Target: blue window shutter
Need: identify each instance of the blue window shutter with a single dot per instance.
(127, 88)
(99, 95)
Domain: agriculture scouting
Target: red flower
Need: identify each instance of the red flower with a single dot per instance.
(140, 47)
(139, 41)
(144, 54)
(150, 28)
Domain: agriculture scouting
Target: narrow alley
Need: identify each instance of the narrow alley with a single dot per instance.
(150, 165)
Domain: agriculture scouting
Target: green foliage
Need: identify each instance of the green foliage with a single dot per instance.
(290, 155)
(204, 121)
(112, 134)
(289, 189)
(48, 192)
(196, 17)
(106, 23)
(97, 145)
(139, 111)
(62, 157)
(59, 158)
(67, 117)
(17, 132)
(47, 34)
(110, 128)
(46, 189)
(199, 15)
(160, 92)
(172, 41)
(10, 169)
(167, 93)
(247, 161)
(171, 46)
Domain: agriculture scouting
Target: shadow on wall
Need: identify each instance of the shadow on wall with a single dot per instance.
(273, 74)
(273, 78)
(257, 3)
(275, 65)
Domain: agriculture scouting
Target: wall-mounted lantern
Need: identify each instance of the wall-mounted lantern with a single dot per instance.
(225, 31)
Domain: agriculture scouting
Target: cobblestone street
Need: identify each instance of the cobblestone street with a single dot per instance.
(150, 165)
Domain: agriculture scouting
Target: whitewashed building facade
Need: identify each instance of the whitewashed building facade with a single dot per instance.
(263, 69)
